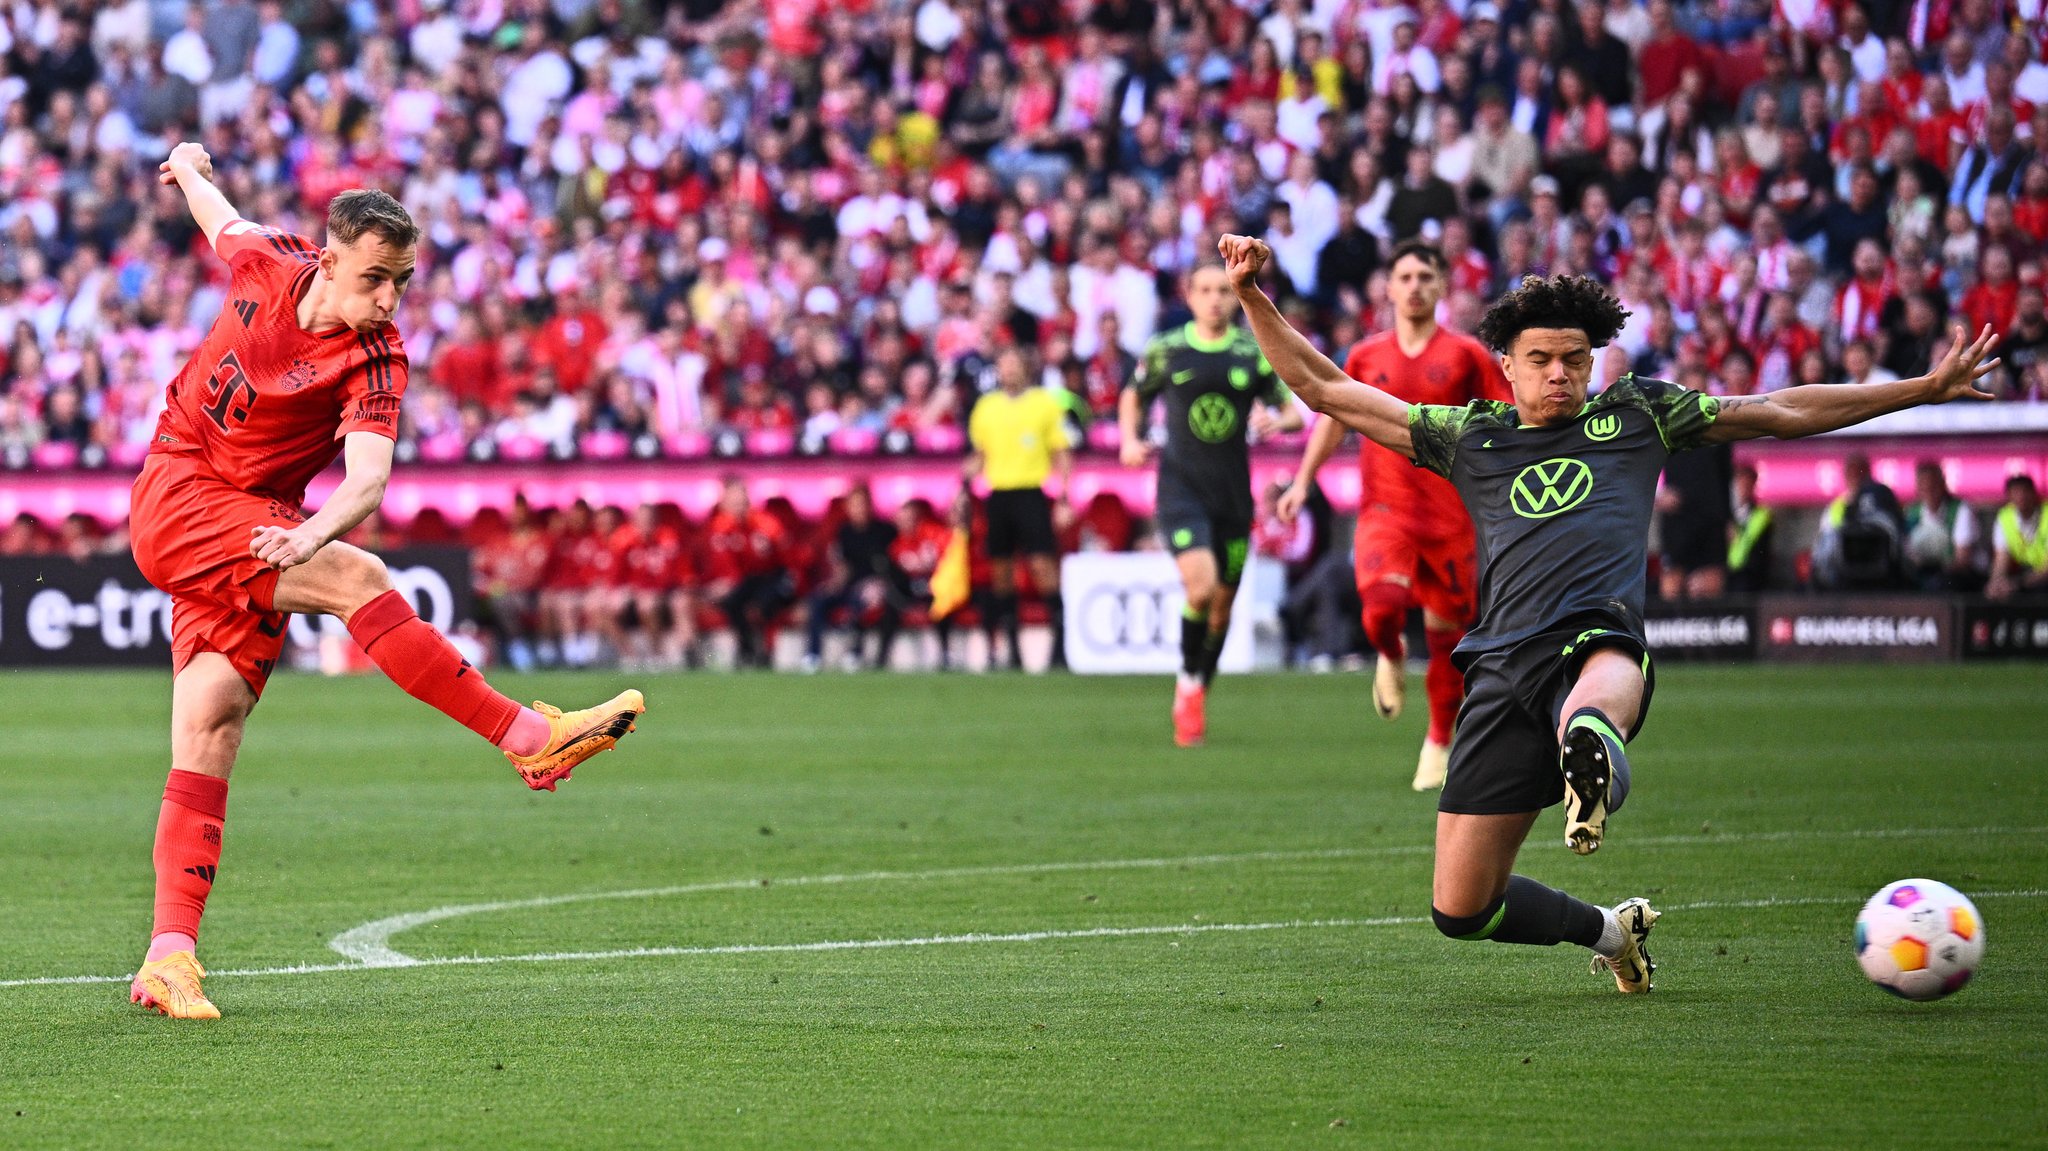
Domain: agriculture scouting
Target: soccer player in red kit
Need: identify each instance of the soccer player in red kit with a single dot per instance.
(302, 365)
(1415, 546)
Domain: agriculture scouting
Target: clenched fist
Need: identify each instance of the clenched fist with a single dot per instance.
(1243, 258)
(185, 155)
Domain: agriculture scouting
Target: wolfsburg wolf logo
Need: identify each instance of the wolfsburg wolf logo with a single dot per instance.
(1601, 428)
(1550, 488)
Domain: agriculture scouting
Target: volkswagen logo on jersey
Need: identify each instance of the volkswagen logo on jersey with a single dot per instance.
(1602, 428)
(1212, 418)
(1550, 488)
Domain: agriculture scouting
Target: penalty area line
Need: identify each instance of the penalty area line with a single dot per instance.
(1183, 929)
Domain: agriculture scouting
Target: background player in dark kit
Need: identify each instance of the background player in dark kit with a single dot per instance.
(1218, 388)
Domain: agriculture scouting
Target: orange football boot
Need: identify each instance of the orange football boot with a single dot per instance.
(171, 985)
(576, 736)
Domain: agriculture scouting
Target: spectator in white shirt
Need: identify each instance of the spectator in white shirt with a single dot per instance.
(186, 54)
(534, 87)
(1407, 58)
(1313, 202)
(277, 46)
(1293, 250)
(1866, 51)
(1961, 68)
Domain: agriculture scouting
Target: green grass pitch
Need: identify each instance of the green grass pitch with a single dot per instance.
(1769, 803)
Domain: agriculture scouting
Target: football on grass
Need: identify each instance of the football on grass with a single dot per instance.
(1919, 939)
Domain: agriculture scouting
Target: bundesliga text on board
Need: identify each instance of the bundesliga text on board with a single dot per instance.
(1727, 634)
(1889, 627)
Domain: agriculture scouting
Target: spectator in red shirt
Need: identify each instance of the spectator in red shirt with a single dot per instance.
(747, 570)
(1782, 343)
(1859, 306)
(1995, 298)
(1666, 58)
(760, 407)
(569, 342)
(466, 364)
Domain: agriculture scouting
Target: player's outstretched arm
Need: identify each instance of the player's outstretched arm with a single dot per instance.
(1811, 409)
(1321, 384)
(367, 457)
(191, 169)
(1322, 444)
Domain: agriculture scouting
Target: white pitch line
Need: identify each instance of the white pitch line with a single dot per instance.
(369, 944)
(936, 940)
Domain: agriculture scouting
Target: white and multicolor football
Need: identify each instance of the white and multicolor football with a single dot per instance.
(1919, 939)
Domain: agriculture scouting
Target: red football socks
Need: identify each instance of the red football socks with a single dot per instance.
(1446, 686)
(423, 662)
(1386, 612)
(188, 830)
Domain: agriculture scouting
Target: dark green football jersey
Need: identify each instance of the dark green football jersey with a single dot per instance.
(1562, 512)
(1209, 389)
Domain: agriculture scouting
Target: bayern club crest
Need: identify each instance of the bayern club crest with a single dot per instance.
(298, 375)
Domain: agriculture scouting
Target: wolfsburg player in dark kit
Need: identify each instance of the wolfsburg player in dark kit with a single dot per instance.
(1217, 388)
(1557, 674)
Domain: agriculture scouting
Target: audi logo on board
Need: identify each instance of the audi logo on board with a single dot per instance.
(1131, 616)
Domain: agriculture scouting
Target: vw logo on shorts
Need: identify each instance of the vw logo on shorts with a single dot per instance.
(1128, 617)
(1550, 488)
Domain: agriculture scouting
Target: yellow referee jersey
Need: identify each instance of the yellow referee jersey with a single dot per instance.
(1017, 436)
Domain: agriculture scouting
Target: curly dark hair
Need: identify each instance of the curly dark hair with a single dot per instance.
(1553, 302)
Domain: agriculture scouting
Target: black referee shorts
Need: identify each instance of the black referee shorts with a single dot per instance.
(1020, 523)
(1504, 756)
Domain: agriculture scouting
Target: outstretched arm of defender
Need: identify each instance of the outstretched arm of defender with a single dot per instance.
(1815, 408)
(1308, 373)
(191, 169)
(367, 456)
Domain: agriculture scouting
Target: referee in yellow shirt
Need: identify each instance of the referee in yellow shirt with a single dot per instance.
(1018, 437)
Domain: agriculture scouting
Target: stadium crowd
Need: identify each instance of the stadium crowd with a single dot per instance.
(758, 227)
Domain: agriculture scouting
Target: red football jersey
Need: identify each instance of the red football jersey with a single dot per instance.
(735, 548)
(1453, 370)
(651, 563)
(513, 563)
(263, 402)
(579, 561)
(917, 553)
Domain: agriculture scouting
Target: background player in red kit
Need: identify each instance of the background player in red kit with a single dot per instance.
(302, 364)
(1415, 546)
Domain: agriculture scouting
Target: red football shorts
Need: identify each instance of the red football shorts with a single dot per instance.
(1441, 574)
(190, 531)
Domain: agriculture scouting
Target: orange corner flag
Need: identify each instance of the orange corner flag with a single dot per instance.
(950, 581)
